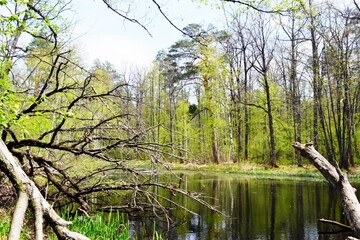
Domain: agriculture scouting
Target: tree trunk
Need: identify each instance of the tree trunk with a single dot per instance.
(246, 107)
(338, 180)
(316, 75)
(215, 146)
(214, 137)
(231, 136)
(295, 89)
(27, 190)
(271, 123)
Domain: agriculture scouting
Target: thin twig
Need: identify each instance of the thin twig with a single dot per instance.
(344, 226)
(133, 20)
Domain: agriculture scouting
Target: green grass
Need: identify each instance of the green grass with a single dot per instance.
(100, 226)
(5, 223)
(4, 229)
(249, 168)
(262, 171)
(156, 235)
(255, 170)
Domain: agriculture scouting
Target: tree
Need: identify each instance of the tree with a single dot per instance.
(57, 116)
(315, 70)
(173, 78)
(339, 50)
(338, 180)
(28, 191)
(240, 61)
(194, 60)
(293, 32)
(261, 48)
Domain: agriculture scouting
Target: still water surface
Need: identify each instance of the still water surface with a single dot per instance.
(255, 209)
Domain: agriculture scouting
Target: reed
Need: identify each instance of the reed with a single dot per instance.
(100, 226)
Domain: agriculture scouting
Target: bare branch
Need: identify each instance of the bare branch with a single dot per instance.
(251, 5)
(174, 25)
(45, 19)
(28, 191)
(343, 226)
(356, 5)
(125, 17)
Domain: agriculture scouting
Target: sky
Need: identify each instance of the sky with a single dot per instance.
(101, 34)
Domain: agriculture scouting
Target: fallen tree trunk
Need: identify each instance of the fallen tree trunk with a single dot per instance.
(27, 191)
(337, 179)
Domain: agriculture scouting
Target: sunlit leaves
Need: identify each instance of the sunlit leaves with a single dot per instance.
(8, 106)
(278, 6)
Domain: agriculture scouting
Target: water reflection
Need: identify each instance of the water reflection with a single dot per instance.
(254, 209)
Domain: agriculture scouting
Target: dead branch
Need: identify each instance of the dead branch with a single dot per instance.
(341, 225)
(338, 180)
(251, 5)
(133, 20)
(27, 190)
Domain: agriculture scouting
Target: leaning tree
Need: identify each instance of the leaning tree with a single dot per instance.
(339, 180)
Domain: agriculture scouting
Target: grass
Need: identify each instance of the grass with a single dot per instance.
(5, 223)
(255, 170)
(249, 168)
(103, 226)
(260, 170)
(4, 228)
(100, 226)
(286, 170)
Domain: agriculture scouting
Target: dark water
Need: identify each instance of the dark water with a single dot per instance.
(255, 209)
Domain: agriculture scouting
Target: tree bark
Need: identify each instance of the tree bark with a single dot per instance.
(27, 190)
(19, 215)
(315, 72)
(214, 137)
(271, 121)
(295, 87)
(338, 180)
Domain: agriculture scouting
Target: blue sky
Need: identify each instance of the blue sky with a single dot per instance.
(102, 34)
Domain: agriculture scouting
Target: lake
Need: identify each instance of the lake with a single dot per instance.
(253, 208)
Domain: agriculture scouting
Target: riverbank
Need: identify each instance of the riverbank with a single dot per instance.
(90, 226)
(260, 170)
(241, 168)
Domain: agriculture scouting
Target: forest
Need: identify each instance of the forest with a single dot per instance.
(277, 72)
(245, 92)
(261, 83)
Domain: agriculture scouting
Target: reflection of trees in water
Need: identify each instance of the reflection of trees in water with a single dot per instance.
(331, 206)
(300, 211)
(213, 225)
(256, 209)
(273, 210)
(195, 223)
